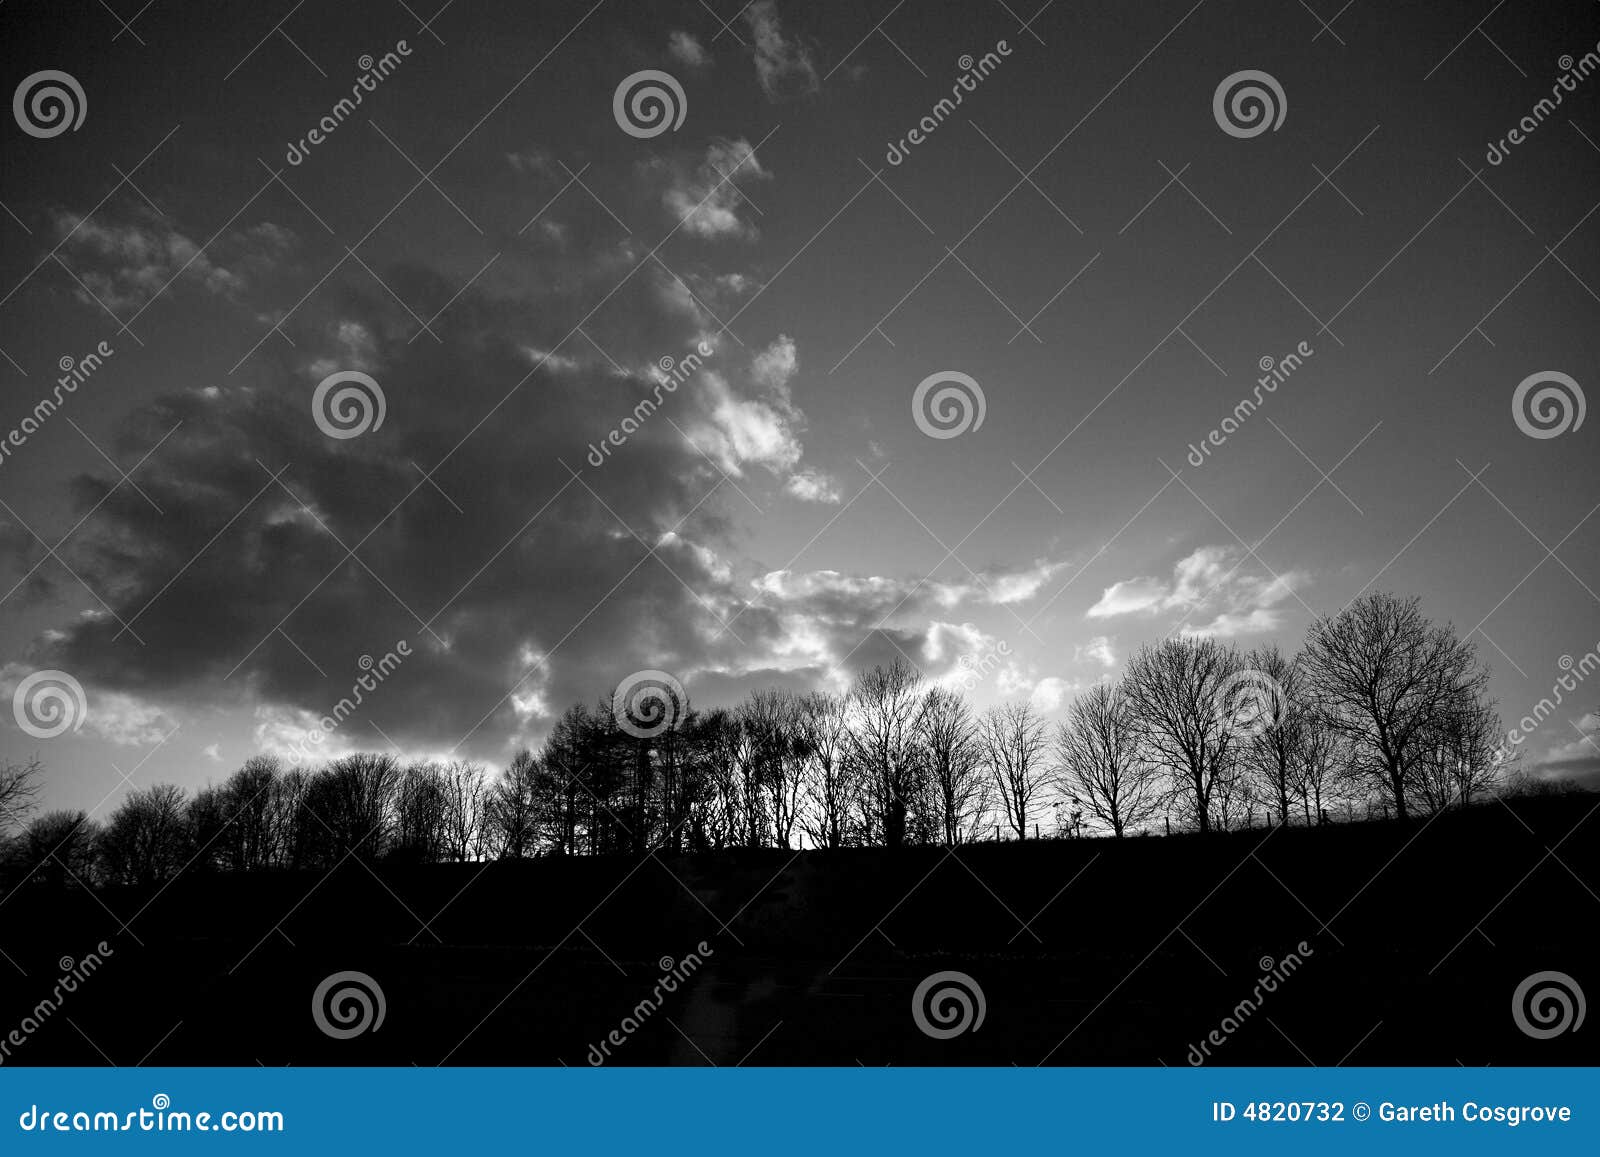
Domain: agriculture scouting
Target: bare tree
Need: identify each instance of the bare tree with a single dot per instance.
(146, 840)
(1099, 762)
(886, 746)
(510, 809)
(1013, 738)
(59, 848)
(955, 764)
(463, 786)
(19, 784)
(774, 717)
(1386, 677)
(348, 808)
(1456, 761)
(830, 787)
(1176, 689)
(1275, 725)
(1322, 766)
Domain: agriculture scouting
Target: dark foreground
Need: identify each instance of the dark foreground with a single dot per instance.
(1086, 952)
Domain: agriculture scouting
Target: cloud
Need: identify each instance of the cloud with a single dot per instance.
(281, 558)
(783, 62)
(687, 50)
(813, 486)
(707, 199)
(757, 427)
(117, 716)
(1096, 650)
(125, 264)
(1211, 581)
(1050, 693)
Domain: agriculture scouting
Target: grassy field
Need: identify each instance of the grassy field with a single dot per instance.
(1086, 951)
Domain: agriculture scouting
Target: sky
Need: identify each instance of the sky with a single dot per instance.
(1090, 257)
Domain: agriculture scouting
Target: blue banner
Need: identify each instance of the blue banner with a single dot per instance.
(802, 1111)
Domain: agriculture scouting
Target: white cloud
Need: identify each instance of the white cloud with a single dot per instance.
(813, 486)
(1211, 581)
(783, 62)
(1096, 650)
(1051, 692)
(737, 431)
(687, 50)
(707, 200)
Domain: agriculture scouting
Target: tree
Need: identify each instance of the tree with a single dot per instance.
(418, 834)
(146, 840)
(1176, 689)
(348, 808)
(58, 848)
(1013, 739)
(1456, 761)
(510, 810)
(1387, 677)
(885, 745)
(1099, 762)
(1322, 765)
(462, 785)
(1276, 725)
(955, 764)
(19, 784)
(777, 747)
(831, 789)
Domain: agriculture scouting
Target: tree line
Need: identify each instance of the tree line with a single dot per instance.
(1381, 711)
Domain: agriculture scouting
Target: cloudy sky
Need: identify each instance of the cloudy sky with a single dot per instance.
(483, 237)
